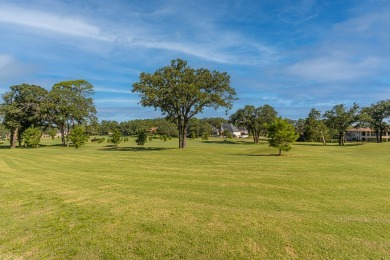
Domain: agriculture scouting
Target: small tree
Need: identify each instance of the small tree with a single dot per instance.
(116, 137)
(78, 137)
(32, 137)
(53, 133)
(282, 135)
(142, 137)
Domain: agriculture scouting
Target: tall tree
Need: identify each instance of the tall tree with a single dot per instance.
(375, 117)
(70, 103)
(315, 128)
(256, 120)
(181, 92)
(23, 108)
(282, 135)
(340, 118)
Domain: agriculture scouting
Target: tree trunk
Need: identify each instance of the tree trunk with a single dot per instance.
(14, 136)
(377, 136)
(341, 138)
(380, 136)
(62, 130)
(323, 138)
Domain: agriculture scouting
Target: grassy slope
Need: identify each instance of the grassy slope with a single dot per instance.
(214, 200)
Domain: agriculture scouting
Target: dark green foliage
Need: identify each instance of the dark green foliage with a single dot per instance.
(314, 128)
(142, 137)
(125, 139)
(375, 117)
(205, 136)
(78, 136)
(281, 135)
(116, 137)
(256, 120)
(227, 134)
(150, 138)
(340, 118)
(32, 137)
(70, 103)
(181, 92)
(164, 138)
(52, 133)
(101, 140)
(23, 108)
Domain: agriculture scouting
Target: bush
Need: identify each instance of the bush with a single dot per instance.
(141, 138)
(163, 138)
(32, 137)
(150, 138)
(205, 136)
(101, 140)
(116, 137)
(78, 137)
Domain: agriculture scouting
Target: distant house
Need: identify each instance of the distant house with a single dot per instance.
(234, 131)
(364, 135)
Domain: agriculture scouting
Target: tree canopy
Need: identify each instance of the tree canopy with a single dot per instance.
(340, 118)
(70, 103)
(22, 108)
(256, 120)
(375, 117)
(181, 92)
(281, 135)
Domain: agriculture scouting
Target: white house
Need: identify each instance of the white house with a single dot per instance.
(364, 135)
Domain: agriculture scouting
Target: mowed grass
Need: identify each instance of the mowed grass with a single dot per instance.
(213, 200)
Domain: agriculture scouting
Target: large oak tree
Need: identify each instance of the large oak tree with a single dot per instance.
(181, 92)
(70, 103)
(22, 108)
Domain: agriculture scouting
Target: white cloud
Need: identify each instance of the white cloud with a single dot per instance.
(334, 68)
(51, 22)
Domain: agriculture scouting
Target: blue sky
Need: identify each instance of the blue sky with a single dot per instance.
(291, 54)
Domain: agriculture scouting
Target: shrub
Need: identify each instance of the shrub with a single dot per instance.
(116, 137)
(95, 139)
(101, 140)
(78, 137)
(205, 136)
(32, 137)
(142, 137)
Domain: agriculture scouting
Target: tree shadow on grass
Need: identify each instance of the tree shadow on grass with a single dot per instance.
(328, 144)
(227, 142)
(259, 155)
(111, 148)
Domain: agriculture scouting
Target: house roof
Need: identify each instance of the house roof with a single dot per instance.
(229, 127)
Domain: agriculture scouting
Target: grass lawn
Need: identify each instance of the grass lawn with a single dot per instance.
(213, 200)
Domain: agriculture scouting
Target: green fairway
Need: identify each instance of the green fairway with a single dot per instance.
(213, 200)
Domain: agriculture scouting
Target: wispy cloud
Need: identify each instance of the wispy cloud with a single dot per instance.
(334, 68)
(50, 21)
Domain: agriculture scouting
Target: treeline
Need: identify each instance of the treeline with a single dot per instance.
(334, 123)
(160, 126)
(30, 110)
